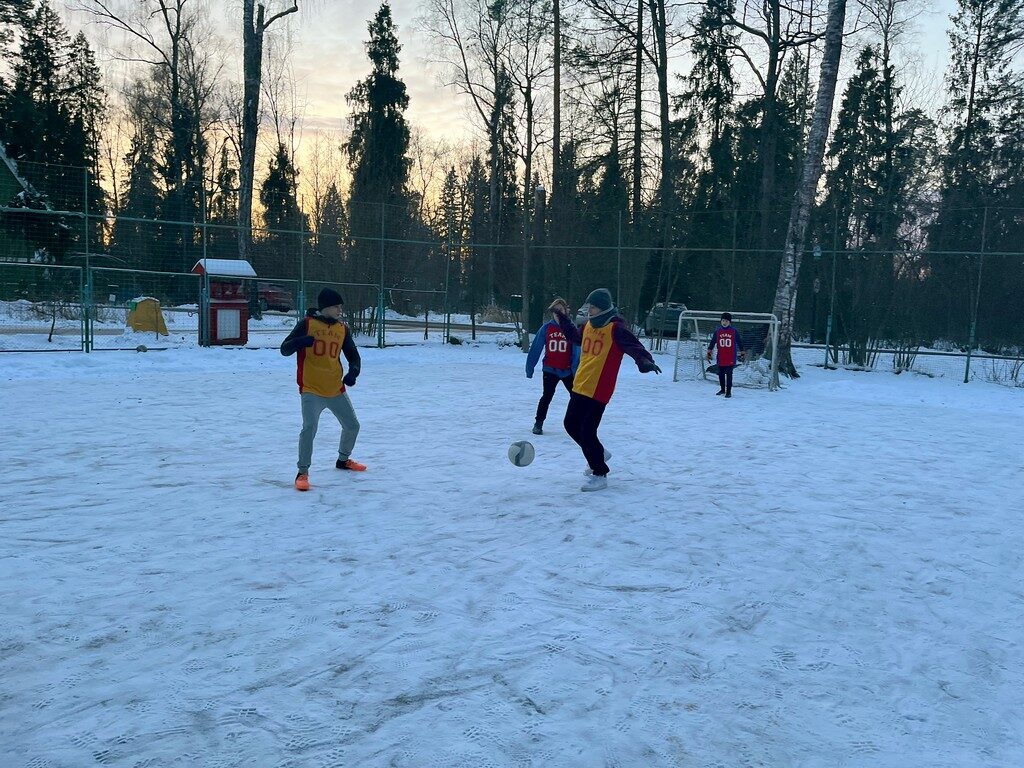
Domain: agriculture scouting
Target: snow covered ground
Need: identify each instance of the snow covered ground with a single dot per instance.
(825, 576)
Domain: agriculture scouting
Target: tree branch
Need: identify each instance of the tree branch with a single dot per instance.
(280, 14)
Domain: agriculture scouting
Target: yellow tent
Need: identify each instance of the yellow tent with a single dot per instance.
(145, 315)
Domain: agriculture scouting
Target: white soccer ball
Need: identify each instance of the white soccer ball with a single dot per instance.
(141, 348)
(521, 453)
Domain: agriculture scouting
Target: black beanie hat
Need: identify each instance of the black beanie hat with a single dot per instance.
(328, 298)
(727, 316)
(601, 298)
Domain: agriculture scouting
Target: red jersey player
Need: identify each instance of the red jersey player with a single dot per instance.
(727, 341)
(560, 360)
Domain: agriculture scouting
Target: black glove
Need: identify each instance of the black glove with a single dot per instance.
(649, 365)
(305, 341)
(349, 380)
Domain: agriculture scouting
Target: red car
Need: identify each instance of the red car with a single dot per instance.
(275, 297)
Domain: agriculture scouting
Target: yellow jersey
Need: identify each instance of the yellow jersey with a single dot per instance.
(600, 358)
(319, 366)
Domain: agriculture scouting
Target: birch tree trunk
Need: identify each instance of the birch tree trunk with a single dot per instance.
(789, 271)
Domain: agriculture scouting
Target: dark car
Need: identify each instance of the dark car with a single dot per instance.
(663, 319)
(275, 297)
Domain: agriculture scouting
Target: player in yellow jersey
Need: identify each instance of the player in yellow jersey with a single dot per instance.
(604, 340)
(320, 339)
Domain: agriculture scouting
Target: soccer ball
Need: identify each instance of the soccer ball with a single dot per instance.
(521, 453)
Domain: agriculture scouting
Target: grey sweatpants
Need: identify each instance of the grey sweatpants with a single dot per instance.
(312, 407)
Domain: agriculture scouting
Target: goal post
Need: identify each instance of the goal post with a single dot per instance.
(759, 332)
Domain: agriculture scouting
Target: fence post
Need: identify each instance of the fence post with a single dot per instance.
(447, 279)
(381, 337)
(832, 291)
(81, 302)
(301, 298)
(977, 297)
(87, 297)
(202, 200)
(732, 269)
(618, 264)
(524, 339)
(204, 309)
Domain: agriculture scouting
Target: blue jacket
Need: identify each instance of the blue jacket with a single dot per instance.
(537, 349)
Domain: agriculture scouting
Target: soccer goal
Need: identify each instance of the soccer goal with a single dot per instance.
(759, 333)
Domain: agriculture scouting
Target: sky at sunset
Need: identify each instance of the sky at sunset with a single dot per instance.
(328, 57)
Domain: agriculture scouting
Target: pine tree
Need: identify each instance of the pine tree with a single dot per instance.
(707, 102)
(475, 190)
(35, 118)
(1003, 280)
(12, 14)
(448, 222)
(332, 235)
(876, 167)
(786, 292)
(503, 199)
(86, 108)
(282, 216)
(449, 214)
(139, 243)
(222, 208)
(794, 105)
(379, 143)
(707, 146)
(984, 90)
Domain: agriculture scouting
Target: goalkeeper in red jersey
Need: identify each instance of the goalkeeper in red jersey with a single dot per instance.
(729, 344)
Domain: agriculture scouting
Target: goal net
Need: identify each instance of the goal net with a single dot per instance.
(759, 334)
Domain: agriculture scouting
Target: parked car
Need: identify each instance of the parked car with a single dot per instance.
(663, 318)
(275, 297)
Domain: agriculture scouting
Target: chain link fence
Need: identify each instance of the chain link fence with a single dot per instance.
(41, 308)
(71, 276)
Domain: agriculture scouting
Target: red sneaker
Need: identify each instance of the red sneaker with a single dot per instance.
(301, 482)
(350, 464)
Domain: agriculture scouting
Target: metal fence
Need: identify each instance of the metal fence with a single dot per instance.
(69, 275)
(90, 309)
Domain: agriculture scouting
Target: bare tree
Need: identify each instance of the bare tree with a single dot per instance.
(654, 47)
(256, 20)
(160, 34)
(430, 159)
(556, 138)
(530, 64)
(474, 38)
(778, 28)
(789, 272)
(281, 93)
(324, 166)
(114, 143)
